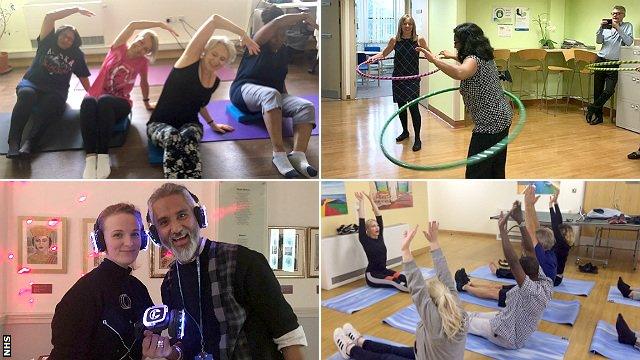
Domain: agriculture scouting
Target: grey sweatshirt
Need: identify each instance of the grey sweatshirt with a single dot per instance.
(431, 340)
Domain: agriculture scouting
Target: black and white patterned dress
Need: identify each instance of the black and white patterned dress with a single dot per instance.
(405, 63)
(483, 96)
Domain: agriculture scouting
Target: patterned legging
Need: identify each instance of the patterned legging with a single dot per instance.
(181, 158)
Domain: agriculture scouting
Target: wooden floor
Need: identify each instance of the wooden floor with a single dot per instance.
(558, 147)
(471, 251)
(223, 159)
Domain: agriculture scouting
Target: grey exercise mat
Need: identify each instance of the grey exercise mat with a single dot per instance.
(63, 134)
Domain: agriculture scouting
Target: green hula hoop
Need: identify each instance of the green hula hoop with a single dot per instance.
(474, 159)
(597, 66)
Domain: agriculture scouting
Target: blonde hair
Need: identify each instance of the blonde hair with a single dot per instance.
(414, 36)
(368, 224)
(231, 49)
(567, 232)
(154, 43)
(545, 238)
(449, 310)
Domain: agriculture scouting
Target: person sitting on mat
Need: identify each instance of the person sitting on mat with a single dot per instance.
(625, 334)
(564, 239)
(405, 63)
(627, 291)
(260, 87)
(42, 92)
(442, 330)
(525, 302)
(482, 95)
(370, 235)
(109, 99)
(174, 124)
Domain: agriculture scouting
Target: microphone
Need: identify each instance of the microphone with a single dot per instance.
(158, 318)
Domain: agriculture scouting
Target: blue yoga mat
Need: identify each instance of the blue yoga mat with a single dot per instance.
(362, 297)
(615, 296)
(605, 342)
(568, 286)
(539, 346)
(557, 311)
(337, 355)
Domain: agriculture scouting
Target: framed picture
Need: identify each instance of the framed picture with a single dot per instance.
(333, 200)
(42, 244)
(287, 250)
(313, 252)
(90, 258)
(161, 260)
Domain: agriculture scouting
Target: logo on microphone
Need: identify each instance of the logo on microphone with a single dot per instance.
(155, 314)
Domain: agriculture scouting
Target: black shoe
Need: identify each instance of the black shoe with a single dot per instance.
(596, 120)
(340, 228)
(588, 268)
(417, 145)
(13, 151)
(590, 113)
(625, 334)
(403, 136)
(461, 279)
(26, 148)
(624, 288)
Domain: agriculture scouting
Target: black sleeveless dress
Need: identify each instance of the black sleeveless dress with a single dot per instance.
(405, 63)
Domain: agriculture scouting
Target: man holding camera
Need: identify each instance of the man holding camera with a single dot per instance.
(612, 34)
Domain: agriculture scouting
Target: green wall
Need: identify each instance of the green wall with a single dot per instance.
(584, 16)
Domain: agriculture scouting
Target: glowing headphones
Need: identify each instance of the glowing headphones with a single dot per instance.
(199, 211)
(100, 245)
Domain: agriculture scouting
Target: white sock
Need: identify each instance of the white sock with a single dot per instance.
(89, 167)
(299, 161)
(284, 166)
(103, 167)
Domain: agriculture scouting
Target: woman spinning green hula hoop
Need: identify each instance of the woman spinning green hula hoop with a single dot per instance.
(484, 99)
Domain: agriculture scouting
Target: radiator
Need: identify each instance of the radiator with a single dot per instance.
(91, 29)
(343, 259)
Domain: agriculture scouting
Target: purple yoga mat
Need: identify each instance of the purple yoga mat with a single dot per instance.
(218, 111)
(158, 75)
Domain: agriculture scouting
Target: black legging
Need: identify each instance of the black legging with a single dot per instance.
(44, 106)
(97, 118)
(492, 168)
(415, 118)
(372, 350)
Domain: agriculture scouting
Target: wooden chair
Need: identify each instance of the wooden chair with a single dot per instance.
(561, 71)
(531, 60)
(582, 58)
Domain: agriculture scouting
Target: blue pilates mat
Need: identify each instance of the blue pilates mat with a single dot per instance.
(615, 296)
(568, 286)
(365, 296)
(605, 342)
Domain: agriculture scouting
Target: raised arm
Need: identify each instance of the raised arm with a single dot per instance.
(462, 71)
(527, 245)
(374, 207)
(423, 43)
(202, 36)
(360, 197)
(439, 261)
(49, 22)
(530, 216)
(128, 30)
(282, 22)
(509, 252)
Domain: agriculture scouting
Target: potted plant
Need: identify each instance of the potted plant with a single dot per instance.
(545, 28)
(5, 14)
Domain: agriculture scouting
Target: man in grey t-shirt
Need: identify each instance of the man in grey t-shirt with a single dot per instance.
(512, 327)
(612, 37)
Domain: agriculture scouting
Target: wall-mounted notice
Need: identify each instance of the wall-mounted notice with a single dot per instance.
(503, 15)
(242, 214)
(522, 19)
(504, 31)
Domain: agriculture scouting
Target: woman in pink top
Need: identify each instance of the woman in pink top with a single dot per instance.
(109, 99)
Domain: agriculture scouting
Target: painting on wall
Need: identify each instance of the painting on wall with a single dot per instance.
(287, 250)
(313, 252)
(542, 187)
(333, 200)
(91, 257)
(161, 260)
(42, 244)
(392, 194)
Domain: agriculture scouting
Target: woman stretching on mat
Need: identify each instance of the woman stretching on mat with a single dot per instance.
(625, 334)
(174, 124)
(405, 63)
(442, 330)
(525, 302)
(370, 236)
(109, 99)
(562, 233)
(260, 87)
(482, 95)
(42, 92)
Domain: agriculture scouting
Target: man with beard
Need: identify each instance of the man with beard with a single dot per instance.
(234, 305)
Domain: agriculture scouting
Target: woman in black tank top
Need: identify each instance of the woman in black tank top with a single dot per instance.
(405, 63)
(174, 124)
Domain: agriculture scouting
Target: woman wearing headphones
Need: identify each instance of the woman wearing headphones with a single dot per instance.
(95, 318)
